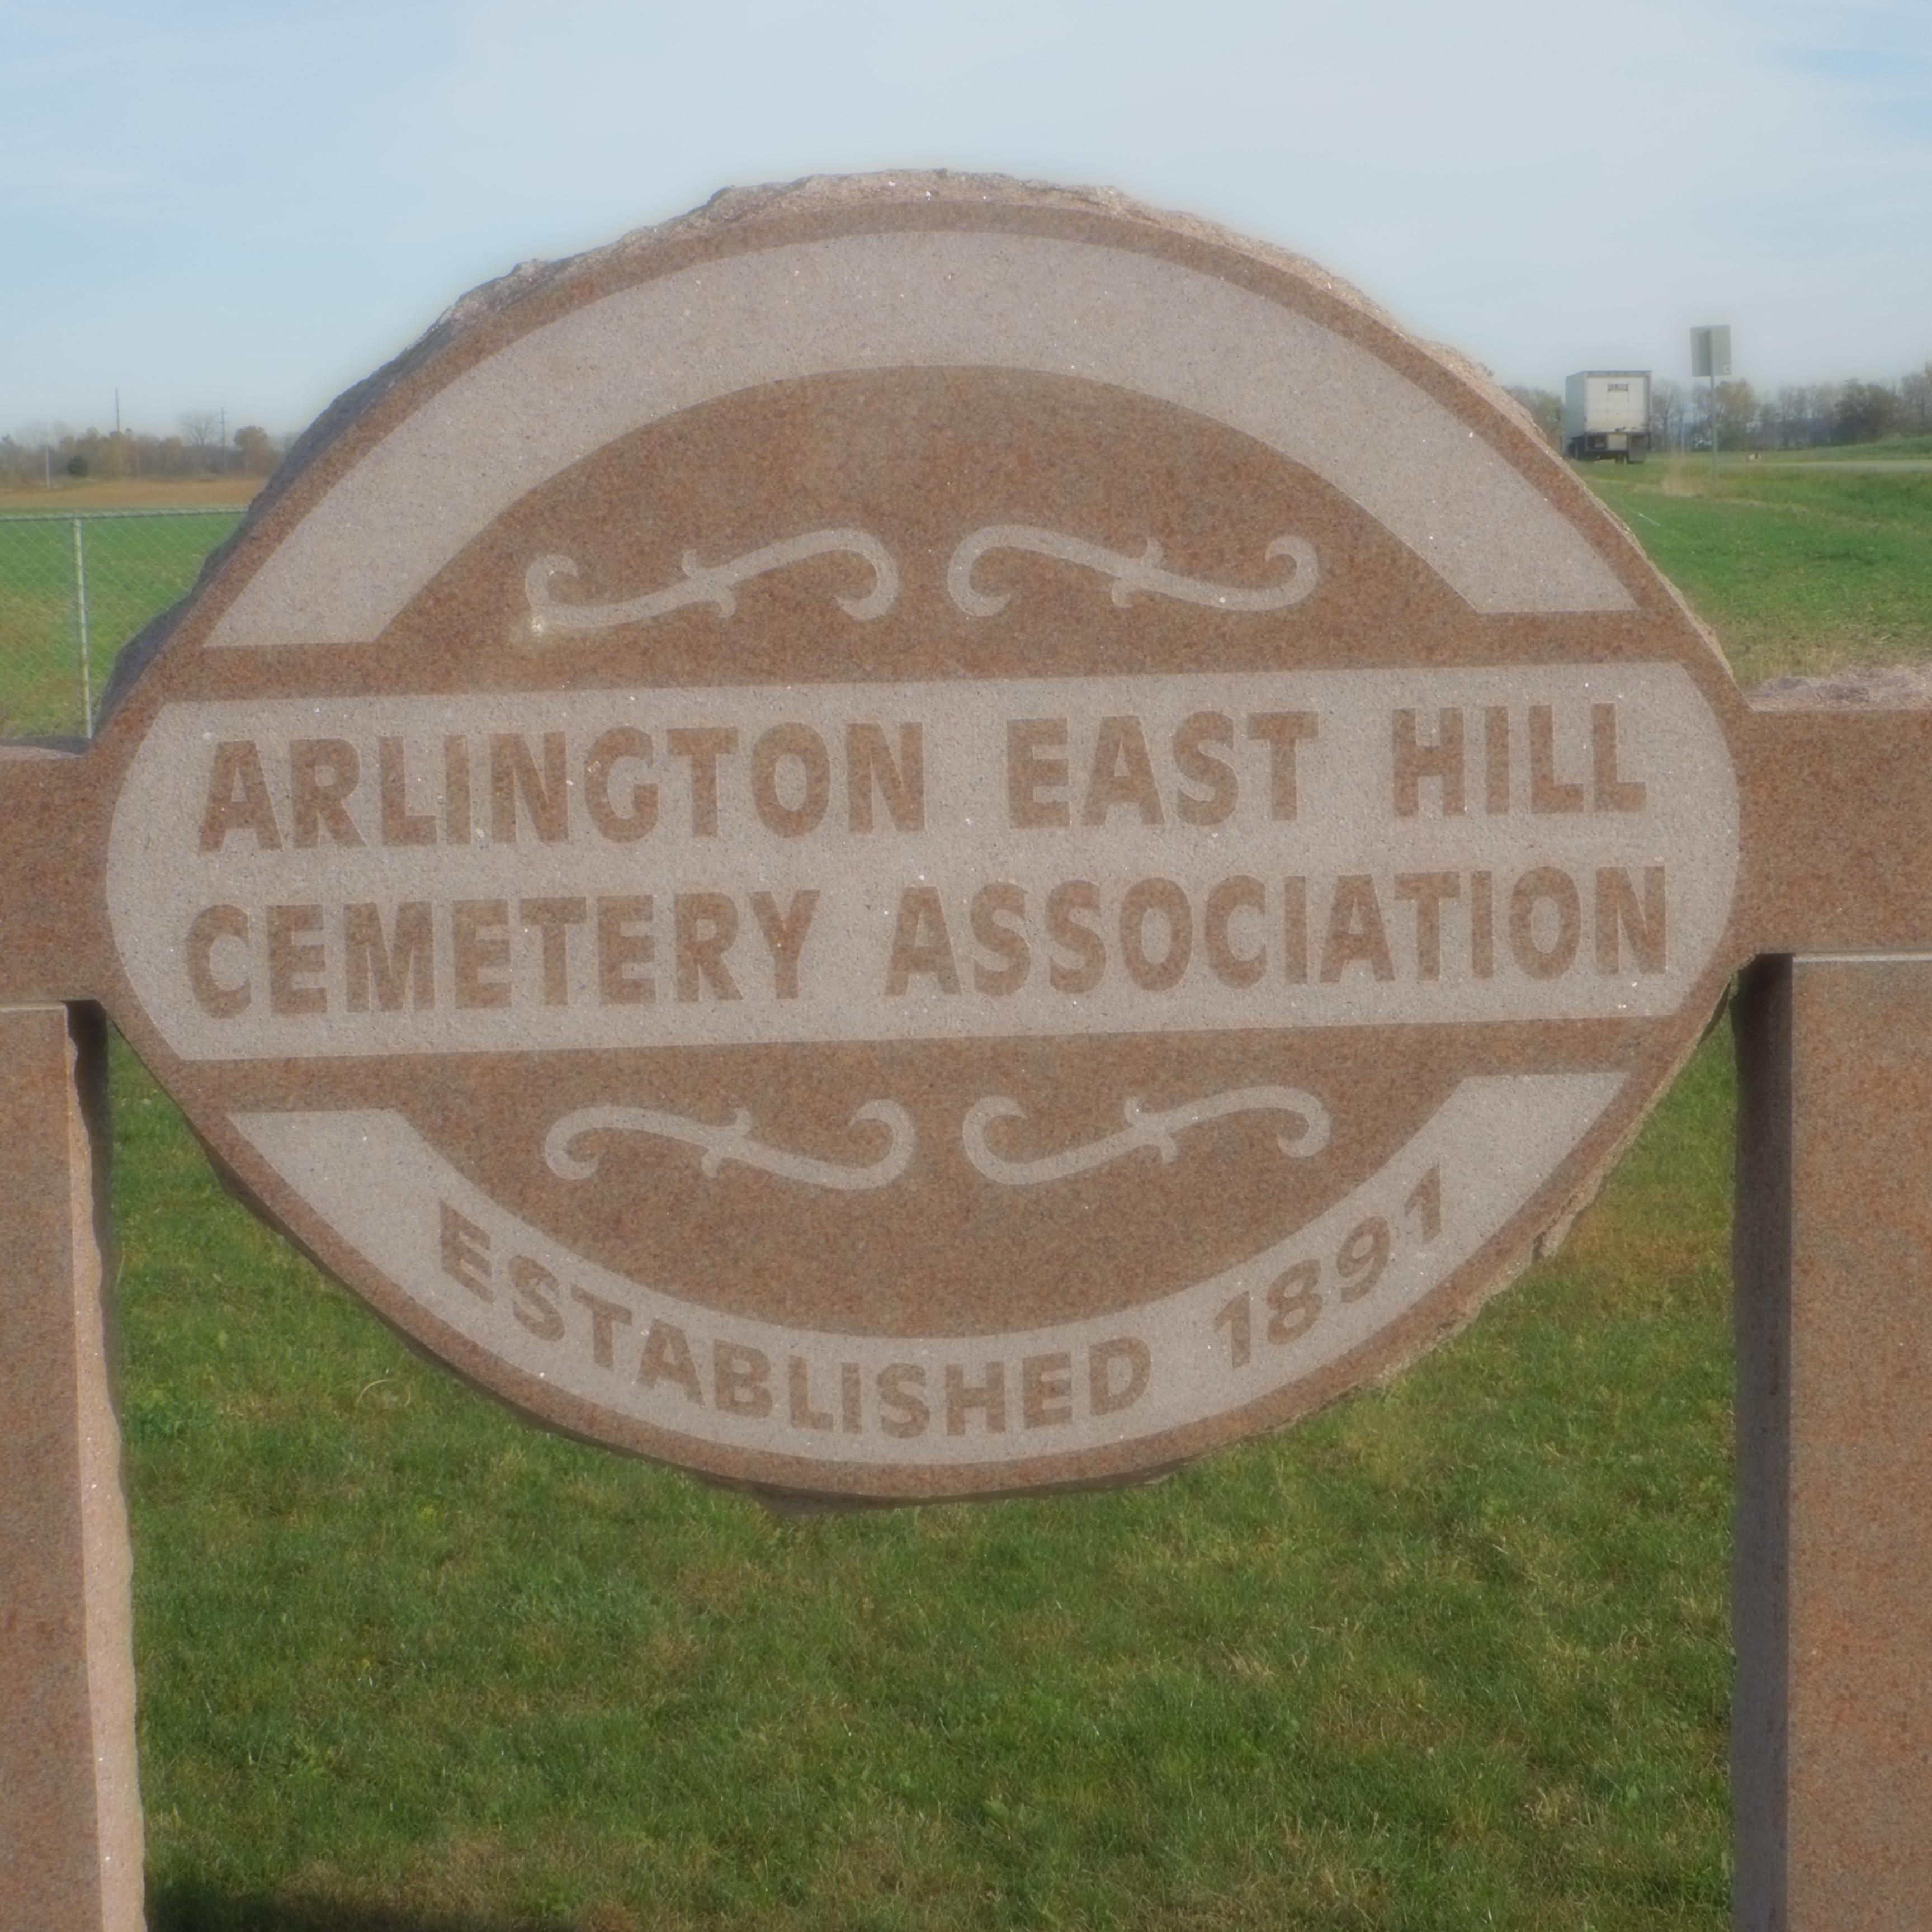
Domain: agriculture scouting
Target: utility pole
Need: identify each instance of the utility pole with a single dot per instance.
(117, 416)
(224, 439)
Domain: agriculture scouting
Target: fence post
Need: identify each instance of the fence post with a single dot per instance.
(80, 604)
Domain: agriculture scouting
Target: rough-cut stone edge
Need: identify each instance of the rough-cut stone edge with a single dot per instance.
(1879, 687)
(731, 208)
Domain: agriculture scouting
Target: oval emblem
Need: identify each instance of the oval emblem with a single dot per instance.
(920, 838)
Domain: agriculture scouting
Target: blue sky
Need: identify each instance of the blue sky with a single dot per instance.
(212, 204)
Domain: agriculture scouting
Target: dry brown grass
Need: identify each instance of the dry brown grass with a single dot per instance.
(202, 492)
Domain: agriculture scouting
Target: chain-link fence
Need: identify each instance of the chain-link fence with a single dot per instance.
(73, 588)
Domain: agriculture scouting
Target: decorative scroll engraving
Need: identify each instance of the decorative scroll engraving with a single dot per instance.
(1143, 1130)
(733, 1142)
(1131, 574)
(713, 583)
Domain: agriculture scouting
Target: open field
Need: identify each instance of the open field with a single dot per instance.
(209, 492)
(136, 566)
(1454, 1655)
(1798, 570)
(1890, 449)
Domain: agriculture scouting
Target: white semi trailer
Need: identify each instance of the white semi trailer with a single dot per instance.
(1606, 413)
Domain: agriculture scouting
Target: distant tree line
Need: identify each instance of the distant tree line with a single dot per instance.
(1805, 415)
(42, 453)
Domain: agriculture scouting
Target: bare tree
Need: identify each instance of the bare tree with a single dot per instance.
(1866, 412)
(1915, 401)
(201, 430)
(1666, 413)
(1546, 410)
(1737, 414)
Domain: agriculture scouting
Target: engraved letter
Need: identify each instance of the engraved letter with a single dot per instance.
(1642, 926)
(806, 748)
(988, 1396)
(1415, 761)
(902, 1413)
(1232, 968)
(1107, 1388)
(667, 1358)
(481, 931)
(1046, 1390)
(533, 1301)
(604, 1315)
(1428, 890)
(1065, 932)
(316, 800)
(211, 925)
(545, 794)
(1122, 773)
(1609, 793)
(784, 936)
(1164, 897)
(619, 947)
(741, 1378)
(1200, 766)
(367, 956)
(238, 766)
(1282, 731)
(706, 923)
(1548, 793)
(703, 745)
(1546, 882)
(1355, 930)
(400, 826)
(921, 943)
(902, 785)
(1004, 942)
(621, 828)
(1027, 772)
(466, 1253)
(289, 961)
(554, 918)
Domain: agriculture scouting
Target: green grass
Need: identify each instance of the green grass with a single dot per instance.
(1797, 570)
(136, 566)
(1453, 1655)
(1887, 449)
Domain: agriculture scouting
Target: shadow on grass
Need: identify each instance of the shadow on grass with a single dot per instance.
(194, 1907)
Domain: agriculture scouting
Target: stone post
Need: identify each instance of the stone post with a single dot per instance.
(69, 1803)
(1832, 1721)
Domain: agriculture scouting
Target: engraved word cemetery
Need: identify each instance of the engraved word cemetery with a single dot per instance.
(921, 838)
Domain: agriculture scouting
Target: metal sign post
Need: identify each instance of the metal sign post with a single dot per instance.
(1710, 356)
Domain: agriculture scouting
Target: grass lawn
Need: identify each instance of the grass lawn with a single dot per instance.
(1454, 1655)
(135, 566)
(1797, 570)
(1887, 449)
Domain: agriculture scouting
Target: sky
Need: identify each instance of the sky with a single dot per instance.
(229, 204)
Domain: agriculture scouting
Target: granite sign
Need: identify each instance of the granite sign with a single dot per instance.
(922, 843)
(922, 838)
